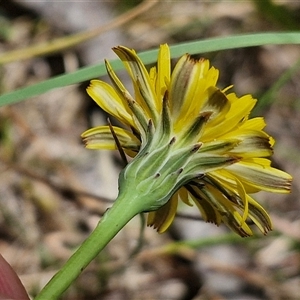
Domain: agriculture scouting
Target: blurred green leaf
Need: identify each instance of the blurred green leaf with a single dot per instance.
(268, 97)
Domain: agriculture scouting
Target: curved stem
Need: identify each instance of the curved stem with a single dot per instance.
(123, 210)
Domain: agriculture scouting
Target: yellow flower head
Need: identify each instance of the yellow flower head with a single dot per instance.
(190, 142)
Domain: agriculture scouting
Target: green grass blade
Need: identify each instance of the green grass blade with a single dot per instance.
(200, 46)
(268, 97)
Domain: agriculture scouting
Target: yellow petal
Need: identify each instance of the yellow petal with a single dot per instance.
(259, 216)
(153, 75)
(228, 212)
(144, 90)
(252, 143)
(239, 111)
(163, 71)
(257, 123)
(162, 218)
(213, 101)
(243, 196)
(183, 85)
(258, 173)
(107, 98)
(206, 81)
(228, 181)
(208, 212)
(188, 90)
(234, 192)
(183, 195)
(118, 85)
(101, 138)
(217, 103)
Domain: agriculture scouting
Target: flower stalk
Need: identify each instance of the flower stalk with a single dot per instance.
(125, 207)
(146, 184)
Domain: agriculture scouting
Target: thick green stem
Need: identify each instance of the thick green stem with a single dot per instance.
(122, 211)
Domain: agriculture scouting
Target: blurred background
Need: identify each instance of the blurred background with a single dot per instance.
(53, 191)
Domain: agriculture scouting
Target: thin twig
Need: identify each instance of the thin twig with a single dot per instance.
(65, 190)
(75, 39)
